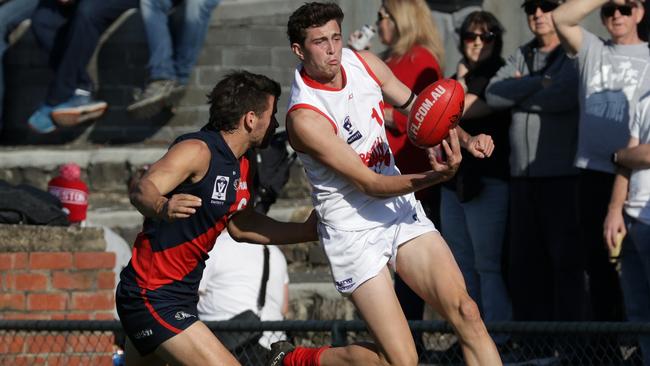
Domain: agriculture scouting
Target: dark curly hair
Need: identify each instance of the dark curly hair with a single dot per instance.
(236, 94)
(489, 22)
(311, 15)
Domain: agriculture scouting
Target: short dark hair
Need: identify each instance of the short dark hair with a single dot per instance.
(484, 19)
(311, 15)
(238, 93)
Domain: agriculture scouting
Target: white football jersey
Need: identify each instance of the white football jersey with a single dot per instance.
(356, 115)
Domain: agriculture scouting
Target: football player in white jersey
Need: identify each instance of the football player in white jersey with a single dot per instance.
(361, 237)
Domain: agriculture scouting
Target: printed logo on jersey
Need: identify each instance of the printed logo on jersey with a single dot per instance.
(220, 188)
(344, 284)
(379, 154)
(143, 334)
(181, 315)
(240, 185)
(613, 86)
(353, 135)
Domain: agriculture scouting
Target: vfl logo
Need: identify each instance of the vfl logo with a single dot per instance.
(143, 333)
(180, 315)
(345, 284)
(424, 108)
(220, 187)
(353, 135)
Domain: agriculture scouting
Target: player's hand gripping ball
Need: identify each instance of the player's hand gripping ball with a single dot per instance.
(436, 110)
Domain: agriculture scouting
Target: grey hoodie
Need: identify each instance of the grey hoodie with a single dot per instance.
(544, 128)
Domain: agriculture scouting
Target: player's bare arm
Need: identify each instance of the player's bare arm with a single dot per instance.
(253, 227)
(311, 133)
(397, 94)
(187, 160)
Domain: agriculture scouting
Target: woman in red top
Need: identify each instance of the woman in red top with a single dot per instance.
(413, 53)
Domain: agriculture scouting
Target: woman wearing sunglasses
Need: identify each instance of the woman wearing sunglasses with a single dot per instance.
(480, 185)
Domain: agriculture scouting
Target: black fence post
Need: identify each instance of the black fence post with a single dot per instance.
(339, 334)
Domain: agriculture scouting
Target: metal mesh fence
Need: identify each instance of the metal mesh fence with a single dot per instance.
(570, 344)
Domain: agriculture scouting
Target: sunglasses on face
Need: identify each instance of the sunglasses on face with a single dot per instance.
(470, 37)
(609, 10)
(531, 8)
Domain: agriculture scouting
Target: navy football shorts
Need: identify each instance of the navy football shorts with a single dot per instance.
(149, 318)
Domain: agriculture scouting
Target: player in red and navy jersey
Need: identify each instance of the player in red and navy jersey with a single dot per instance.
(200, 187)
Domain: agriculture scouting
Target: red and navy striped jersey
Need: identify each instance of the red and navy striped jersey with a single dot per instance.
(171, 255)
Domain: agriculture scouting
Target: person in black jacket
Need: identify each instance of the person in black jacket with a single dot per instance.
(480, 185)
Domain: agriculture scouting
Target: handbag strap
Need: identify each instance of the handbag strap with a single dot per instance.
(261, 297)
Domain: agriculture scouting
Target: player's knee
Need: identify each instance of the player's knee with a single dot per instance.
(462, 311)
(468, 310)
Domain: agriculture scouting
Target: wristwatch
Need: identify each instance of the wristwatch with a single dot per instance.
(614, 158)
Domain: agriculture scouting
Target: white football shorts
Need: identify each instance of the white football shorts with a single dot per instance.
(357, 256)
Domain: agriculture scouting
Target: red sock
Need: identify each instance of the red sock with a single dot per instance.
(304, 356)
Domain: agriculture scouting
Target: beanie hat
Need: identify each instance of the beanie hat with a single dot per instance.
(71, 191)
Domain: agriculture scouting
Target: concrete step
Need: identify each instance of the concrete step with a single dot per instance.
(104, 169)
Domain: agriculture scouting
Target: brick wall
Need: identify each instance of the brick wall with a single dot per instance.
(55, 285)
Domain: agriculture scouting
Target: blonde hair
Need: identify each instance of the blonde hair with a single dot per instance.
(414, 25)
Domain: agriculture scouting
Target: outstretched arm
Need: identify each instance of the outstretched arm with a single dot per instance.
(187, 160)
(396, 93)
(567, 18)
(253, 227)
(311, 133)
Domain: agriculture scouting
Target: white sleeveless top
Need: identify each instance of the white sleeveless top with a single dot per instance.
(356, 115)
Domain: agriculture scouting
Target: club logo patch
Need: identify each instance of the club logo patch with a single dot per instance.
(143, 334)
(220, 188)
(344, 284)
(353, 135)
(181, 315)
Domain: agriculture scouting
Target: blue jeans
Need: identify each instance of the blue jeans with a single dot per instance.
(11, 14)
(635, 277)
(70, 35)
(475, 233)
(173, 53)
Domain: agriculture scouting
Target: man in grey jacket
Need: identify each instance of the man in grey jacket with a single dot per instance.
(540, 84)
